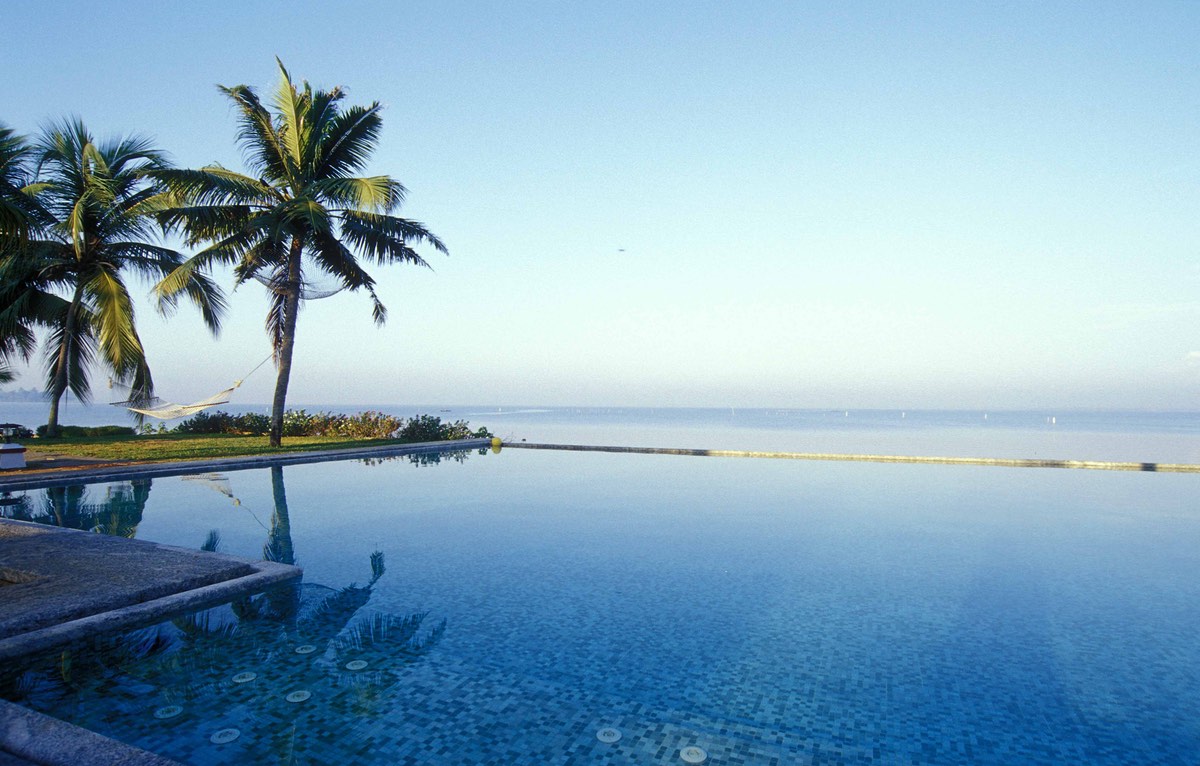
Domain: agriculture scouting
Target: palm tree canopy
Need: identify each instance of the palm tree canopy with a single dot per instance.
(19, 214)
(19, 209)
(301, 192)
(100, 204)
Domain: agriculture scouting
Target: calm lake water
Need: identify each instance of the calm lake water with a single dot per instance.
(1167, 437)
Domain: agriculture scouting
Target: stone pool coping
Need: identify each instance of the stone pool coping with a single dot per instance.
(34, 739)
(1093, 465)
(52, 594)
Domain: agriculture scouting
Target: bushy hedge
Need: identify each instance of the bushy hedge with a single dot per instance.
(77, 431)
(220, 422)
(364, 425)
(429, 428)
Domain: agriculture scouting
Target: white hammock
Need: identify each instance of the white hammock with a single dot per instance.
(157, 408)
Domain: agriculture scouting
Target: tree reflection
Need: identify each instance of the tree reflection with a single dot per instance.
(240, 659)
(425, 458)
(118, 512)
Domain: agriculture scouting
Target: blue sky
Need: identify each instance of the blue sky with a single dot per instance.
(755, 204)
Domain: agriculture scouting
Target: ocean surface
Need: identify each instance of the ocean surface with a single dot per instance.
(1137, 436)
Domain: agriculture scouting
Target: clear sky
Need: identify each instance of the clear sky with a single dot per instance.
(788, 204)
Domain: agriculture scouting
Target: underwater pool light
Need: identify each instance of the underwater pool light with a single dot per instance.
(224, 736)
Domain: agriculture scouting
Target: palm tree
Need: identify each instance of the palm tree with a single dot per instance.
(300, 210)
(24, 305)
(19, 213)
(100, 204)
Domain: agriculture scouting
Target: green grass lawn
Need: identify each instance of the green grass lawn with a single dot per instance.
(159, 447)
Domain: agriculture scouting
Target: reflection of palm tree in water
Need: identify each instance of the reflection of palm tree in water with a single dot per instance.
(119, 512)
(311, 614)
(298, 637)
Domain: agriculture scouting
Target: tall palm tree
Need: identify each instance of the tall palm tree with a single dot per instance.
(299, 210)
(100, 204)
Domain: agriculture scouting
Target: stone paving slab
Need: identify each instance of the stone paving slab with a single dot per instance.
(52, 575)
(32, 739)
(59, 585)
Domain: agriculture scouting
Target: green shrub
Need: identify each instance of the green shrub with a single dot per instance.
(428, 428)
(86, 431)
(300, 423)
(364, 425)
(220, 422)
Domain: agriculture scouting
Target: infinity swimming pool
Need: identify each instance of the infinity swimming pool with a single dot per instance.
(549, 607)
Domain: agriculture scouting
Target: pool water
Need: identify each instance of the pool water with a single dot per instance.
(755, 611)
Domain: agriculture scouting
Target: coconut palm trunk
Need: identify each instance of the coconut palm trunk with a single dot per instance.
(286, 342)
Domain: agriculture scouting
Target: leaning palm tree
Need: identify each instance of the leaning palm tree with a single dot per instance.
(301, 210)
(100, 204)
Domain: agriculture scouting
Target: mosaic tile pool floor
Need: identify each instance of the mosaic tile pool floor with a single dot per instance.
(766, 613)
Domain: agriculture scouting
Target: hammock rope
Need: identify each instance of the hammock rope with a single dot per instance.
(155, 407)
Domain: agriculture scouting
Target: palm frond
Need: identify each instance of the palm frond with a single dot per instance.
(337, 260)
(375, 194)
(77, 350)
(385, 239)
(275, 322)
(304, 214)
(131, 153)
(322, 112)
(20, 212)
(143, 258)
(188, 278)
(116, 336)
(260, 144)
(215, 185)
(209, 222)
(353, 136)
(212, 542)
(291, 106)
